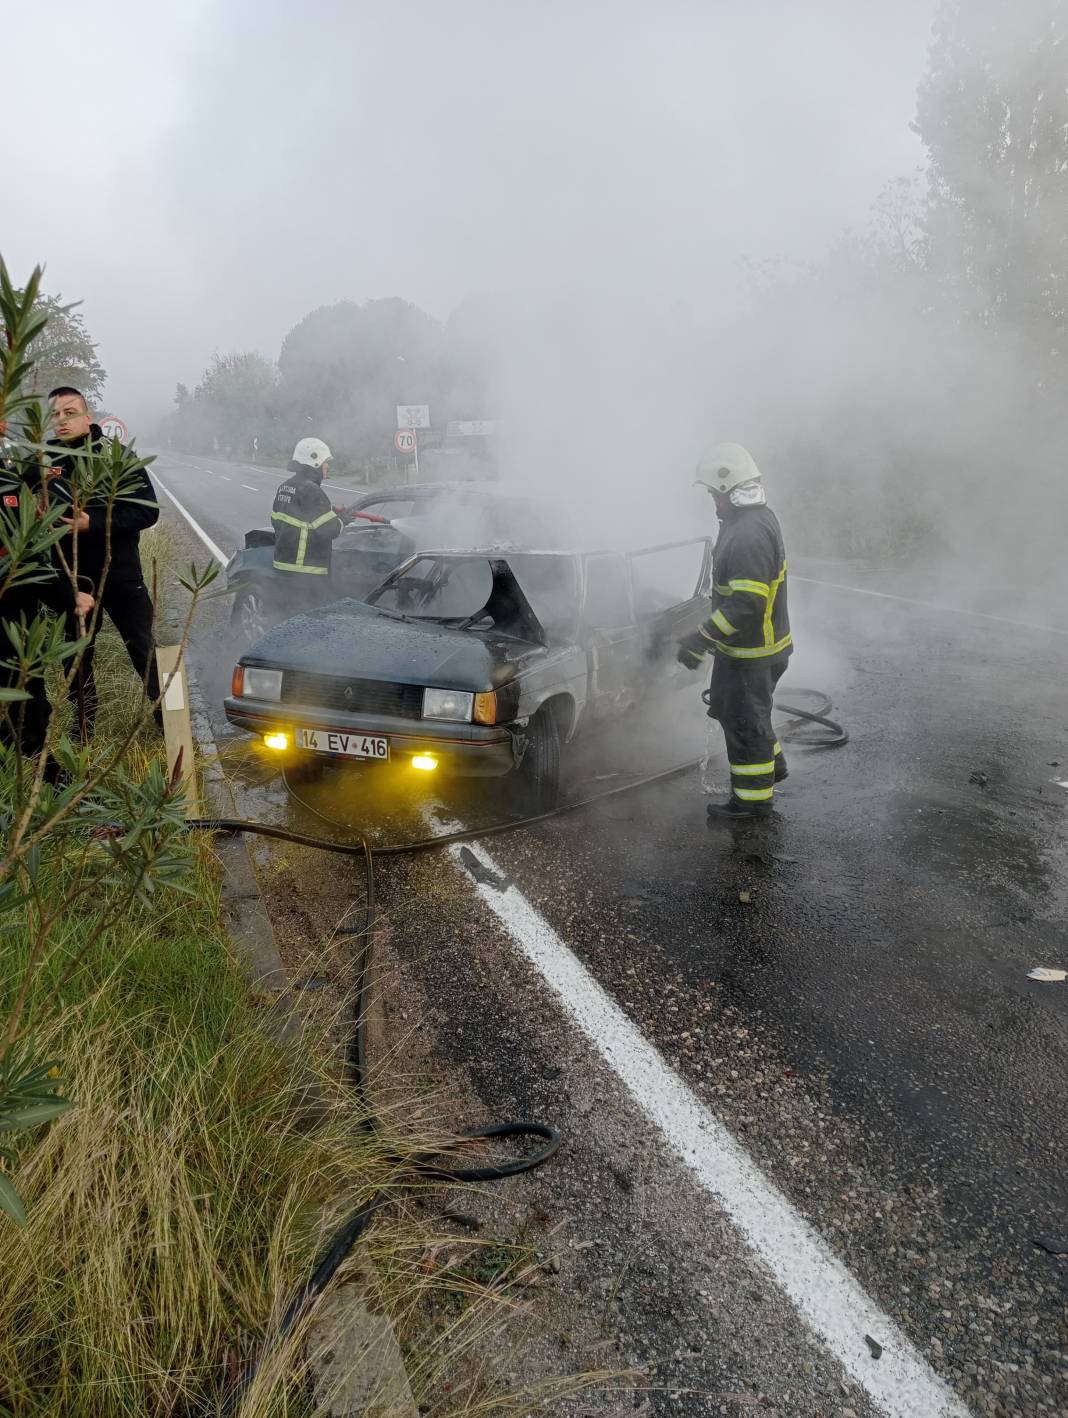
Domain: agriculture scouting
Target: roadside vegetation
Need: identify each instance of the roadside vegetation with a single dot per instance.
(169, 1170)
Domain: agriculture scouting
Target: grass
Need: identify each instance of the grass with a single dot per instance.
(176, 1206)
(174, 1209)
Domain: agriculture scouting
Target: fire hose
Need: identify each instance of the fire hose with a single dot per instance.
(433, 1165)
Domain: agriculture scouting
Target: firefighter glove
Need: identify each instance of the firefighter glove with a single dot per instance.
(692, 650)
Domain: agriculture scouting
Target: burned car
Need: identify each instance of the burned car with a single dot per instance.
(387, 526)
(482, 662)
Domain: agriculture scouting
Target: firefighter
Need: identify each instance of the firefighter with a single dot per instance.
(305, 524)
(747, 632)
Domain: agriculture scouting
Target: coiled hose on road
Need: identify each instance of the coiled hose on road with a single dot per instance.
(431, 1165)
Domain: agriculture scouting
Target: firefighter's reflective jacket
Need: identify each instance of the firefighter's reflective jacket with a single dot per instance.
(304, 523)
(749, 619)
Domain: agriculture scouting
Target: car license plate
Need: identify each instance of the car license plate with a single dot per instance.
(343, 745)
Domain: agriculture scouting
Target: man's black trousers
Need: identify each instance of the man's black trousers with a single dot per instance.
(128, 606)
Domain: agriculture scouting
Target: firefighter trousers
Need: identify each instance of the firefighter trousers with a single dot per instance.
(740, 697)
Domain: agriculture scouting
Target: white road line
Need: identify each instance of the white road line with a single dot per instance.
(225, 478)
(249, 488)
(901, 1383)
(932, 605)
(219, 555)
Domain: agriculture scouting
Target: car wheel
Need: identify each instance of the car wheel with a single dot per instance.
(249, 615)
(539, 772)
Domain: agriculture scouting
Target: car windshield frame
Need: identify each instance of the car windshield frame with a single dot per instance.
(508, 604)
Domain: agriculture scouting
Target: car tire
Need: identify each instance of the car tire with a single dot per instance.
(249, 615)
(539, 772)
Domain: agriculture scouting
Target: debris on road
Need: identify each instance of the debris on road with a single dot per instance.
(874, 1345)
(979, 778)
(745, 897)
(482, 874)
(1050, 1245)
(1059, 782)
(1046, 975)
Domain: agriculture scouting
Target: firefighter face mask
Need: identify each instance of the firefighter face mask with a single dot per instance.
(750, 494)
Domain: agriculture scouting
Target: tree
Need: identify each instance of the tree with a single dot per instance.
(63, 353)
(233, 406)
(345, 367)
(993, 114)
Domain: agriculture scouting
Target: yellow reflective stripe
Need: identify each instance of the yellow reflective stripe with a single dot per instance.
(754, 795)
(326, 517)
(702, 630)
(778, 748)
(297, 566)
(719, 619)
(721, 590)
(752, 770)
(769, 630)
(758, 652)
(290, 521)
(758, 588)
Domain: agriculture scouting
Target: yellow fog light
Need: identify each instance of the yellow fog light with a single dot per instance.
(277, 741)
(425, 762)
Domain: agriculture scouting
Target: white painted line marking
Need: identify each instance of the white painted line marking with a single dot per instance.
(225, 478)
(931, 605)
(831, 1301)
(249, 488)
(218, 554)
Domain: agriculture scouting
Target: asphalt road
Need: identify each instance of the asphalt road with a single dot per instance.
(845, 994)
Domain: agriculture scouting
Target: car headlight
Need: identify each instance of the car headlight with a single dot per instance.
(261, 684)
(455, 704)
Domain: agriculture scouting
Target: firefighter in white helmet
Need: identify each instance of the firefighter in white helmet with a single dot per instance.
(304, 521)
(747, 632)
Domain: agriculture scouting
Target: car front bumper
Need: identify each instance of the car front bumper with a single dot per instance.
(469, 750)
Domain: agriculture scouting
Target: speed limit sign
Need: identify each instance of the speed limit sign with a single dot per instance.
(404, 440)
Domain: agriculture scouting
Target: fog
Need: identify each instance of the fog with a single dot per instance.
(203, 175)
(664, 225)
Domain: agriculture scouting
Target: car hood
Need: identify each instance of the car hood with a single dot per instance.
(351, 639)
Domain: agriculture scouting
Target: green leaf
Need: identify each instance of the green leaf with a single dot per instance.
(16, 1119)
(11, 696)
(11, 1202)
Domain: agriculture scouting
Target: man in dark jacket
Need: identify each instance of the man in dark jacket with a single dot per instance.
(305, 526)
(108, 552)
(748, 630)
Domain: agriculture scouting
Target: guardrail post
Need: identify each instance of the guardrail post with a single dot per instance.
(177, 723)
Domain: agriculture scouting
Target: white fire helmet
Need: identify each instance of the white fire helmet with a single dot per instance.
(312, 452)
(726, 466)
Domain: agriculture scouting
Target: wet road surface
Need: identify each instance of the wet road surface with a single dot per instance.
(846, 990)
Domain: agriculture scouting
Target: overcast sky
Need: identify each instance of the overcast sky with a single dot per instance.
(202, 175)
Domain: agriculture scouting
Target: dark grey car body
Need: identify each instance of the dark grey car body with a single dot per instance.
(406, 518)
(576, 636)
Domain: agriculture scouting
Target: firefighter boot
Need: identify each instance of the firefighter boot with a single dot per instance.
(734, 810)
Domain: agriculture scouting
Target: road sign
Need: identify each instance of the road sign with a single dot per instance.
(113, 427)
(474, 428)
(413, 415)
(404, 440)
